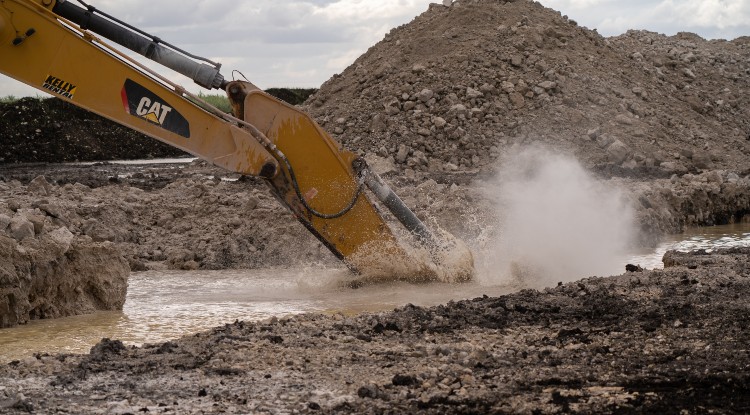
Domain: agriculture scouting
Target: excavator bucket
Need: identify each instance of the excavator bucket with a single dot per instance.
(323, 185)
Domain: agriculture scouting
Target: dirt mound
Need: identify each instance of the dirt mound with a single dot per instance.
(52, 130)
(461, 85)
(47, 272)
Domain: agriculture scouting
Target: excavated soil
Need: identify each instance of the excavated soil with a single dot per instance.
(665, 341)
(440, 107)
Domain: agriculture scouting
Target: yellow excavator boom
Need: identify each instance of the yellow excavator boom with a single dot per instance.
(55, 47)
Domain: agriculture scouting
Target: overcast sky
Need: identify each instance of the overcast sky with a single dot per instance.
(302, 43)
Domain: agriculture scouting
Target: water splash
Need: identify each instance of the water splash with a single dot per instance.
(555, 222)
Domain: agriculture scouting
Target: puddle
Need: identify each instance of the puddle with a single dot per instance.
(163, 305)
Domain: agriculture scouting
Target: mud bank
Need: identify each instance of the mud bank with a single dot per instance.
(653, 341)
(233, 222)
(46, 271)
(58, 275)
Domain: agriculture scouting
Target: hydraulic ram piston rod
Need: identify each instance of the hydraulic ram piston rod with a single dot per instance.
(394, 203)
(204, 75)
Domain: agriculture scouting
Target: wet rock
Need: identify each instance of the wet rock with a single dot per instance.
(46, 280)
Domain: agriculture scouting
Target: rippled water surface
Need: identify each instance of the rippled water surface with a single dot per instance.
(163, 305)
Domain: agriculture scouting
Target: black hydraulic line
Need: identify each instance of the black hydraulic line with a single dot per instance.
(142, 43)
(93, 9)
(295, 184)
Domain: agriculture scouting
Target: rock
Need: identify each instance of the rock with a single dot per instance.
(380, 165)
(624, 119)
(418, 68)
(439, 122)
(62, 237)
(447, 3)
(458, 109)
(702, 160)
(39, 186)
(21, 227)
(517, 100)
(37, 221)
(593, 133)
(425, 95)
(403, 153)
(604, 140)
(673, 167)
(4, 222)
(392, 110)
(547, 85)
(472, 93)
(618, 152)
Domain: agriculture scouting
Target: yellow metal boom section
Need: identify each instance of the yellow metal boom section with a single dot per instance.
(307, 170)
(70, 64)
(325, 181)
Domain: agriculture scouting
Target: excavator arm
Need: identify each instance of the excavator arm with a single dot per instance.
(54, 46)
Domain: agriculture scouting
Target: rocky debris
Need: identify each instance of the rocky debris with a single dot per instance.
(51, 273)
(500, 74)
(650, 341)
(668, 206)
(195, 221)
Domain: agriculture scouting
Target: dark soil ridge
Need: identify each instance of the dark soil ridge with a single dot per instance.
(662, 341)
(51, 130)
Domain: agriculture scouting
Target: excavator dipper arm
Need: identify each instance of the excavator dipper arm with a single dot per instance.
(53, 46)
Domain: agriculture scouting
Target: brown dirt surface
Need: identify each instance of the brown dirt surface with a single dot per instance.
(662, 341)
(461, 85)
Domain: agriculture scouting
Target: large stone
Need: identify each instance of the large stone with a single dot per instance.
(425, 95)
(21, 228)
(702, 160)
(39, 186)
(62, 237)
(4, 222)
(403, 153)
(618, 152)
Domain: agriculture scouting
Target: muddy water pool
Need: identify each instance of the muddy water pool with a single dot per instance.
(162, 305)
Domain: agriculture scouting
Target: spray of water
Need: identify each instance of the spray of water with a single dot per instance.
(556, 222)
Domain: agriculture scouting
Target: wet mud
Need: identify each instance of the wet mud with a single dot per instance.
(661, 341)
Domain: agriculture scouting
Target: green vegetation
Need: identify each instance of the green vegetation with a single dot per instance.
(8, 99)
(294, 96)
(219, 101)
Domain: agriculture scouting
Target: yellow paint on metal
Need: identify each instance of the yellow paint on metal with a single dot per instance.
(55, 58)
(323, 170)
